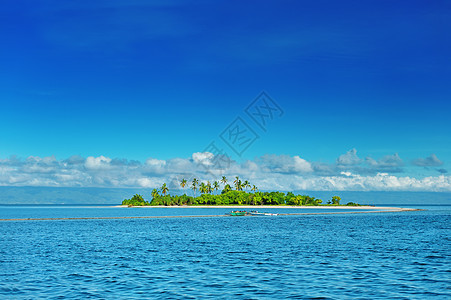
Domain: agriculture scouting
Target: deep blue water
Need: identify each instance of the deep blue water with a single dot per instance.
(402, 255)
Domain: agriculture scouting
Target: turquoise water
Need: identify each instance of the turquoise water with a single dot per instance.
(385, 255)
(61, 211)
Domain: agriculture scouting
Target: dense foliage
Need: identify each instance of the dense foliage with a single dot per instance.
(136, 200)
(237, 198)
(210, 195)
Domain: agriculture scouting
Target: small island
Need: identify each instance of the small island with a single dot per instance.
(242, 193)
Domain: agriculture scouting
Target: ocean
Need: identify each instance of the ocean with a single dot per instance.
(394, 255)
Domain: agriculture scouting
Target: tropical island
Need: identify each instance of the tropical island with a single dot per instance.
(242, 193)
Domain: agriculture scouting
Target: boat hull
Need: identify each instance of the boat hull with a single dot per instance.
(238, 213)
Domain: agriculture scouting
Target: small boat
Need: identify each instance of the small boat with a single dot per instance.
(256, 213)
(237, 213)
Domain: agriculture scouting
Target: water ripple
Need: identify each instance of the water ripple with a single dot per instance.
(296, 257)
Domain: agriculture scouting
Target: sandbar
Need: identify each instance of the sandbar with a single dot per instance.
(373, 209)
(256, 207)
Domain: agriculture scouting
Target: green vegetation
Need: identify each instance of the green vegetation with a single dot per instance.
(229, 195)
(136, 200)
(335, 200)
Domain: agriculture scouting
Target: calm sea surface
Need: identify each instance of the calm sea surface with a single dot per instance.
(404, 255)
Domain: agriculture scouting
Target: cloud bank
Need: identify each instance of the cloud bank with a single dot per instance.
(271, 171)
(431, 161)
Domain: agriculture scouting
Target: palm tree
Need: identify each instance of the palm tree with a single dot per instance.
(203, 188)
(246, 184)
(164, 189)
(194, 186)
(239, 186)
(209, 189)
(254, 188)
(227, 188)
(183, 183)
(236, 182)
(224, 180)
(155, 193)
(216, 185)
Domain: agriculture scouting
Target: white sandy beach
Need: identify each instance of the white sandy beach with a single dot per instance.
(256, 207)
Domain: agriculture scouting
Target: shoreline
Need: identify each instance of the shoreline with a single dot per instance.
(278, 206)
(374, 209)
(398, 209)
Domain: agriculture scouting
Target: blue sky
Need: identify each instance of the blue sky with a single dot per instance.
(140, 80)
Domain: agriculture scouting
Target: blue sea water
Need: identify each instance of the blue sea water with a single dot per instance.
(403, 255)
(83, 211)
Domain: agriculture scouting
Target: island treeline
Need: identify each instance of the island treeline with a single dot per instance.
(241, 193)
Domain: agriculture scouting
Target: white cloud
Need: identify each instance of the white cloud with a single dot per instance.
(388, 163)
(146, 182)
(349, 158)
(204, 158)
(431, 161)
(250, 166)
(301, 165)
(379, 182)
(74, 160)
(179, 165)
(267, 172)
(100, 162)
(155, 165)
(153, 162)
(284, 164)
(44, 160)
